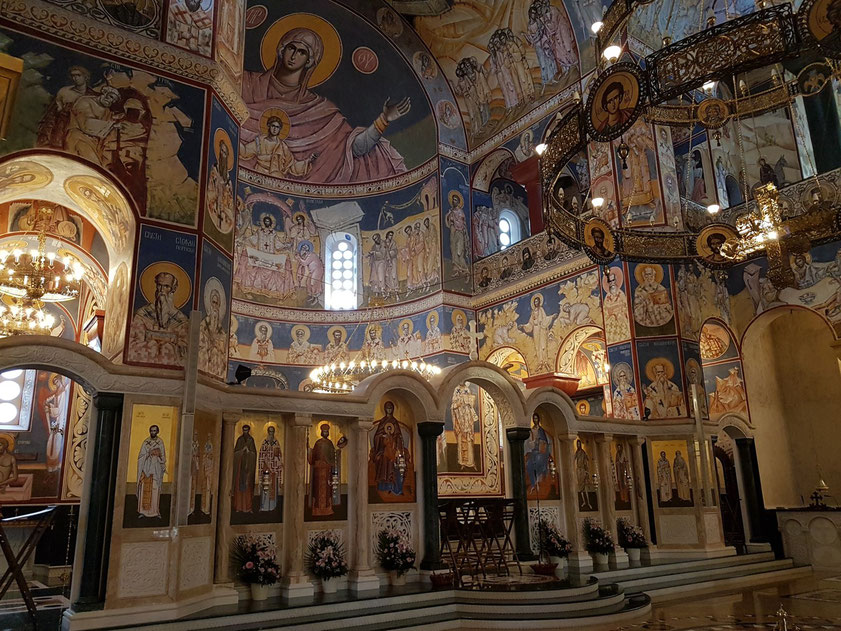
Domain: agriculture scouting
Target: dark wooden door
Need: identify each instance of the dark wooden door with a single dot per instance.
(730, 502)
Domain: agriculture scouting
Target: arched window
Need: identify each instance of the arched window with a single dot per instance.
(16, 390)
(509, 228)
(341, 262)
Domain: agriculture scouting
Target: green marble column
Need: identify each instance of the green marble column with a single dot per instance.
(516, 439)
(429, 433)
(102, 458)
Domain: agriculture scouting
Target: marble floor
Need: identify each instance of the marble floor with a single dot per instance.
(811, 603)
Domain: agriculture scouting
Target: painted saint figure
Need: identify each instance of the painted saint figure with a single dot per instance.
(537, 454)
(271, 155)
(387, 452)
(663, 398)
(8, 465)
(158, 333)
(343, 154)
(207, 465)
(624, 395)
(262, 348)
(652, 301)
(540, 328)
(151, 466)
(464, 425)
(245, 468)
(582, 475)
(623, 475)
(681, 472)
(324, 459)
(457, 223)
(270, 464)
(664, 478)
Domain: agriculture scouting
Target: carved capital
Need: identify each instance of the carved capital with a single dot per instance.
(231, 417)
(301, 420)
(517, 434)
(429, 429)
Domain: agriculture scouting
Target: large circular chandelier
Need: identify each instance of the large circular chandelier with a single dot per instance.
(343, 377)
(39, 274)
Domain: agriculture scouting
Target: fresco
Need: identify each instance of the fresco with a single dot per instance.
(653, 309)
(189, 25)
(204, 454)
(258, 471)
(716, 343)
(455, 234)
(696, 179)
(213, 304)
(304, 124)
(617, 324)
(541, 461)
(694, 376)
(327, 473)
(638, 177)
(282, 241)
(725, 388)
(391, 455)
(586, 476)
(671, 474)
(152, 439)
(537, 323)
(163, 298)
(503, 60)
(469, 453)
(142, 128)
(489, 209)
(624, 397)
(660, 371)
(143, 17)
(219, 197)
(591, 405)
(623, 476)
(230, 37)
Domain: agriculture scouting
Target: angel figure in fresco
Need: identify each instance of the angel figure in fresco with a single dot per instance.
(343, 154)
(540, 328)
(464, 425)
(270, 466)
(324, 459)
(664, 478)
(681, 471)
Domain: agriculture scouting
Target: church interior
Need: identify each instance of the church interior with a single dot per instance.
(420, 314)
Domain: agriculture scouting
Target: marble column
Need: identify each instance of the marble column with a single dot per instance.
(222, 572)
(579, 560)
(295, 582)
(516, 439)
(103, 456)
(429, 432)
(362, 576)
(640, 488)
(607, 496)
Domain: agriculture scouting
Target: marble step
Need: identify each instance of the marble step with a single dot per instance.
(663, 569)
(680, 591)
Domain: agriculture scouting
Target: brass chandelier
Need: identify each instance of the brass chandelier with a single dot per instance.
(343, 377)
(759, 228)
(24, 319)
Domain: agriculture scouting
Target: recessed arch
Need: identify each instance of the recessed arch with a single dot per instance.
(486, 170)
(559, 405)
(416, 390)
(502, 388)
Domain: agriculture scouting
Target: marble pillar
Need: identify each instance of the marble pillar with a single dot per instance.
(295, 582)
(362, 575)
(103, 455)
(516, 439)
(579, 560)
(222, 571)
(607, 496)
(429, 432)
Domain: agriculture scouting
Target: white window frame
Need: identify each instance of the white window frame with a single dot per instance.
(332, 245)
(514, 227)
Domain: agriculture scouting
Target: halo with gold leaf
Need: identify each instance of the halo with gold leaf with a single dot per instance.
(661, 361)
(220, 137)
(329, 36)
(640, 270)
(283, 116)
(182, 291)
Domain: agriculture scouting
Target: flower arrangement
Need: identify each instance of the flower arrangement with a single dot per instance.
(630, 536)
(255, 561)
(551, 540)
(599, 540)
(394, 553)
(326, 557)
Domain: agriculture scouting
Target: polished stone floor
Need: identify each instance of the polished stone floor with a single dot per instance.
(811, 603)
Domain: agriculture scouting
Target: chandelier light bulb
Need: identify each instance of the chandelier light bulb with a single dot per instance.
(597, 202)
(541, 148)
(772, 234)
(708, 87)
(713, 208)
(611, 53)
(596, 27)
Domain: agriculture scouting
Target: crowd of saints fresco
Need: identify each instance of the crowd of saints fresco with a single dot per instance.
(488, 208)
(144, 129)
(504, 59)
(282, 243)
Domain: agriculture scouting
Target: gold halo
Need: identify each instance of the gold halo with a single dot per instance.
(658, 272)
(615, 370)
(9, 437)
(705, 105)
(609, 242)
(651, 363)
(457, 195)
(459, 312)
(257, 327)
(221, 136)
(692, 362)
(429, 317)
(406, 321)
(631, 97)
(147, 282)
(332, 329)
(212, 284)
(377, 327)
(283, 116)
(617, 271)
(819, 26)
(585, 404)
(701, 246)
(330, 39)
(300, 327)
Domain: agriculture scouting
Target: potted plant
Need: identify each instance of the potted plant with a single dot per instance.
(326, 560)
(553, 543)
(631, 538)
(395, 555)
(599, 541)
(256, 565)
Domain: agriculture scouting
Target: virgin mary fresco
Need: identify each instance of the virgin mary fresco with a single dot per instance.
(318, 131)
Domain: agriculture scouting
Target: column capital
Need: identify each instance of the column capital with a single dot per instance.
(517, 434)
(364, 424)
(569, 438)
(603, 438)
(108, 400)
(636, 440)
(231, 417)
(430, 429)
(301, 420)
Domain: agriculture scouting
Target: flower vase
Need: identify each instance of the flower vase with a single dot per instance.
(396, 578)
(328, 586)
(633, 554)
(600, 559)
(259, 592)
